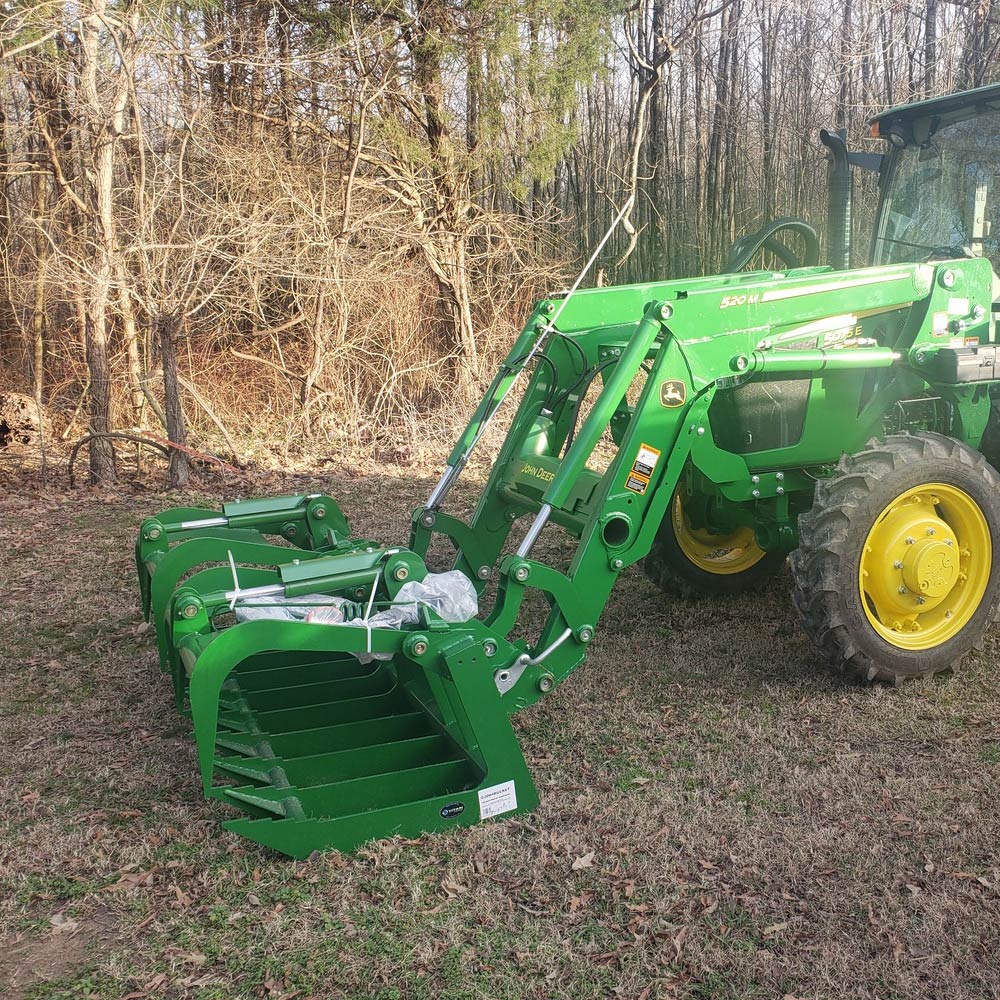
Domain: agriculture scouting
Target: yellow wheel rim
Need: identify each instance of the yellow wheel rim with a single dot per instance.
(925, 566)
(723, 554)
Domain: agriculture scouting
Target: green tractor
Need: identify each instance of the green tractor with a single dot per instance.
(707, 427)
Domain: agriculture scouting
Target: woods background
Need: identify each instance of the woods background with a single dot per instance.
(271, 229)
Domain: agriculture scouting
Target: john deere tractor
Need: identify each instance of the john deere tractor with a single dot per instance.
(707, 428)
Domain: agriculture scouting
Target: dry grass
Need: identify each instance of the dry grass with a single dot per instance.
(720, 818)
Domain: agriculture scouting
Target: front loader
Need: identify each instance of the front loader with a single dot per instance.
(705, 427)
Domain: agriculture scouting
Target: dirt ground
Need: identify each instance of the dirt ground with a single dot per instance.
(720, 817)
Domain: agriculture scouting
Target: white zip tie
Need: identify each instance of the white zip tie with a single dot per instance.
(368, 611)
(236, 580)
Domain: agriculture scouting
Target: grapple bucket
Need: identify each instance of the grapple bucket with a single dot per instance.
(321, 750)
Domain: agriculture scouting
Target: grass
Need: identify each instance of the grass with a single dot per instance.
(759, 828)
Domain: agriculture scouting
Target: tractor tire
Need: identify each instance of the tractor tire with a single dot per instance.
(990, 444)
(895, 575)
(688, 562)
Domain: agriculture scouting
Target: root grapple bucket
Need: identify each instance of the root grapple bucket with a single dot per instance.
(315, 747)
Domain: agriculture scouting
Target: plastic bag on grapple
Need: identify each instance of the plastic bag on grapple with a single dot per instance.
(291, 609)
(451, 595)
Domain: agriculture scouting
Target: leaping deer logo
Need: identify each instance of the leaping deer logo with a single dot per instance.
(673, 393)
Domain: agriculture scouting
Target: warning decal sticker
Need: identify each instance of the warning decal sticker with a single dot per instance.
(497, 799)
(645, 461)
(642, 469)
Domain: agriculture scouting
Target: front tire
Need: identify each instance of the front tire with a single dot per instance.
(895, 575)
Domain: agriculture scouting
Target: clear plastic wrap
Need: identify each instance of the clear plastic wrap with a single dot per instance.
(451, 595)
(290, 609)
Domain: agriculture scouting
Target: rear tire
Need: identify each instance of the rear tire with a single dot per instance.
(689, 562)
(895, 575)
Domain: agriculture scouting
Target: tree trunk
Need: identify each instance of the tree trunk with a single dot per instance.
(42, 252)
(167, 326)
(102, 452)
(930, 46)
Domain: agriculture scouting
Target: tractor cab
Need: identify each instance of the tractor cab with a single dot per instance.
(940, 182)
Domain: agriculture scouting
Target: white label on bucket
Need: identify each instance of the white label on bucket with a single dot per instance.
(497, 799)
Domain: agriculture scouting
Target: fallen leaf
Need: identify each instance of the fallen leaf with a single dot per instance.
(678, 942)
(451, 888)
(61, 924)
(584, 862)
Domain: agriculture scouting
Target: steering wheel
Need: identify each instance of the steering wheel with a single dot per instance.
(745, 248)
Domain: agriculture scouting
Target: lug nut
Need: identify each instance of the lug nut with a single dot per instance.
(401, 572)
(617, 563)
(902, 590)
(419, 647)
(910, 539)
(921, 600)
(931, 531)
(897, 565)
